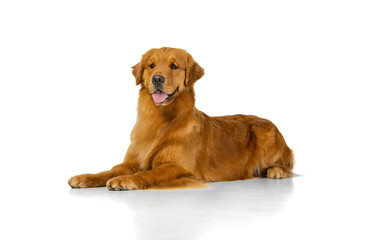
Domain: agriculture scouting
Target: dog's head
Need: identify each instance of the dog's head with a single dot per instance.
(167, 72)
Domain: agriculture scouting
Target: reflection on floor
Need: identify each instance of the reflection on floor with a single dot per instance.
(192, 211)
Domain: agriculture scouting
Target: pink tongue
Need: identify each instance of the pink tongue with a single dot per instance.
(159, 96)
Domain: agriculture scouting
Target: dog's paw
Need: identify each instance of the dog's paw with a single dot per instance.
(86, 181)
(278, 172)
(122, 183)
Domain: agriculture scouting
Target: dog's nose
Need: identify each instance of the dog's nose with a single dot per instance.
(158, 80)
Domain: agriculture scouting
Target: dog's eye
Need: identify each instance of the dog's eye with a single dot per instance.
(152, 65)
(173, 66)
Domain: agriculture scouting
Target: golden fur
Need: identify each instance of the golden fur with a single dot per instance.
(174, 145)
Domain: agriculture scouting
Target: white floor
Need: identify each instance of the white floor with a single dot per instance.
(301, 207)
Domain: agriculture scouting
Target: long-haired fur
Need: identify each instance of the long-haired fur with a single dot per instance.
(174, 145)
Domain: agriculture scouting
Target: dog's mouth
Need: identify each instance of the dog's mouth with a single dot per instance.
(160, 97)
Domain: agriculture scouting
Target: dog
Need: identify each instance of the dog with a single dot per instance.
(174, 145)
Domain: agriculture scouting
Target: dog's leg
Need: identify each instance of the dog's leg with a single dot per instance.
(129, 166)
(165, 176)
(275, 158)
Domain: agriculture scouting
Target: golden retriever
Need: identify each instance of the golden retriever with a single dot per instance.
(174, 145)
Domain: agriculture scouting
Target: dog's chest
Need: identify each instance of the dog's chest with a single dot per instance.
(147, 139)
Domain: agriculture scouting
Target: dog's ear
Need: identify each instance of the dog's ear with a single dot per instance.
(193, 71)
(137, 71)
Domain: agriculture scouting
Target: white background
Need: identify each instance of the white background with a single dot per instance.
(317, 69)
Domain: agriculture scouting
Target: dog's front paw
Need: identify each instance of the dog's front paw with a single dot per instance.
(122, 183)
(86, 181)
